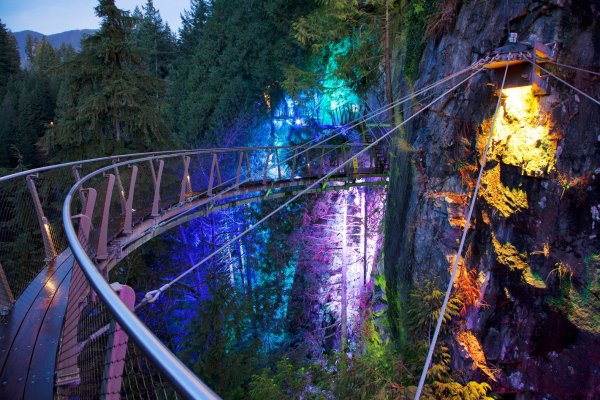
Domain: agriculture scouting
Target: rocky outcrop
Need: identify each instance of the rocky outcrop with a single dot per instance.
(535, 237)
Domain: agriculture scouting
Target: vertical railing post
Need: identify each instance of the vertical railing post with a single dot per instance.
(67, 371)
(7, 299)
(323, 161)
(156, 178)
(128, 221)
(121, 189)
(308, 163)
(278, 165)
(186, 184)
(102, 250)
(85, 223)
(243, 155)
(42, 220)
(294, 163)
(266, 171)
(77, 176)
(117, 349)
(214, 166)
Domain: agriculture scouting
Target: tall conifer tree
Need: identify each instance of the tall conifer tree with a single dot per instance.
(111, 99)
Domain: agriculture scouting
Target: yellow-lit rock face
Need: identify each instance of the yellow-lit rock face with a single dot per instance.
(522, 133)
(505, 200)
(522, 138)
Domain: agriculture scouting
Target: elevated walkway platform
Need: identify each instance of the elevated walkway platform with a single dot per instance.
(29, 337)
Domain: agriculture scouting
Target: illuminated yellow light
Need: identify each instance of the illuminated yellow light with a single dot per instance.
(522, 133)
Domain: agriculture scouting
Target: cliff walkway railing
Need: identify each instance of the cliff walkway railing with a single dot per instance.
(106, 351)
(31, 233)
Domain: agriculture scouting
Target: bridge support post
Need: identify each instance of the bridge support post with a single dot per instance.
(266, 167)
(127, 225)
(102, 250)
(294, 164)
(243, 154)
(7, 299)
(278, 164)
(67, 370)
(117, 349)
(77, 176)
(186, 184)
(214, 167)
(156, 178)
(42, 220)
(121, 190)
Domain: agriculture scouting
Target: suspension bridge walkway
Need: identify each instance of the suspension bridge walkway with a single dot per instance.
(69, 331)
(125, 201)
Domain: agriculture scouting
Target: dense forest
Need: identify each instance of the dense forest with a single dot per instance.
(335, 296)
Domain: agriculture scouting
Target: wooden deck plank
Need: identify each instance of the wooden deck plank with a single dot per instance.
(10, 328)
(14, 374)
(40, 378)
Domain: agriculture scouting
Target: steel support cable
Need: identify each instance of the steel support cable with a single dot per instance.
(185, 381)
(440, 319)
(306, 148)
(397, 102)
(564, 82)
(573, 67)
(151, 296)
(372, 115)
(178, 374)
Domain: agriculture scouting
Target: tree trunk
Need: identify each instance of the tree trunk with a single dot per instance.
(388, 67)
(118, 130)
(344, 296)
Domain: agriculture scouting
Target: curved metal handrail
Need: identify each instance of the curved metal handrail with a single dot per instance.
(178, 374)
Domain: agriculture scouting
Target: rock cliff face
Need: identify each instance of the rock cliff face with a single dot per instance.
(532, 256)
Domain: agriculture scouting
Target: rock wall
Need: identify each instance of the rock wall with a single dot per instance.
(533, 250)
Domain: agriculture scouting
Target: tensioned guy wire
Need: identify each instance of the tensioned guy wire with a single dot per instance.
(564, 82)
(370, 116)
(153, 295)
(460, 247)
(573, 67)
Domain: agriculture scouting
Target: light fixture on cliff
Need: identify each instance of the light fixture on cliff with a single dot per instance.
(521, 58)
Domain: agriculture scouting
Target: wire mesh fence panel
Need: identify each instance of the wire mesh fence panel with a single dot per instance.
(97, 358)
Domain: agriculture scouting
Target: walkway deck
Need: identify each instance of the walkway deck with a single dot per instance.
(29, 338)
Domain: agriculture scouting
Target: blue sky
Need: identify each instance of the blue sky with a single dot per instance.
(54, 16)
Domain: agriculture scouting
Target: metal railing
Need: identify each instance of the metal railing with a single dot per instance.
(117, 208)
(31, 234)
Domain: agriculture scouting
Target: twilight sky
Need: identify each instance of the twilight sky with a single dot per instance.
(54, 16)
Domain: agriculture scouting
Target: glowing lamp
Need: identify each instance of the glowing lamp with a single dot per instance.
(521, 72)
(298, 121)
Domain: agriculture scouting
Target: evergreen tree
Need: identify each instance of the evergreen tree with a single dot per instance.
(234, 53)
(8, 125)
(9, 56)
(154, 39)
(192, 24)
(110, 99)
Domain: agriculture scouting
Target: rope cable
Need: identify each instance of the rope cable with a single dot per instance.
(308, 148)
(564, 82)
(151, 296)
(440, 319)
(572, 67)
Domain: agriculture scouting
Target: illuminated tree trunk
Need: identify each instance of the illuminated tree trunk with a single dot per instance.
(363, 212)
(388, 64)
(344, 296)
